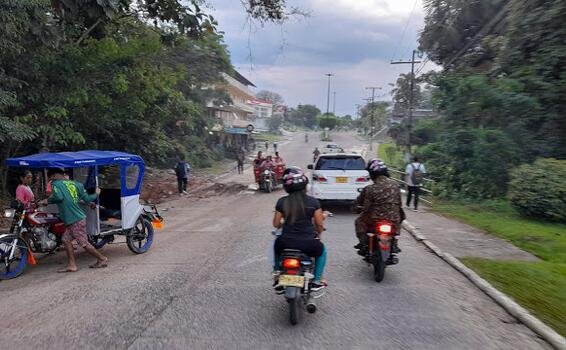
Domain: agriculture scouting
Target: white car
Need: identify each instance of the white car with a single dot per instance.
(338, 176)
(332, 148)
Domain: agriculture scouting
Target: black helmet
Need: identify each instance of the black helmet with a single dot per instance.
(377, 167)
(294, 179)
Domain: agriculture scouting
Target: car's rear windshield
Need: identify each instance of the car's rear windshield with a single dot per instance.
(340, 163)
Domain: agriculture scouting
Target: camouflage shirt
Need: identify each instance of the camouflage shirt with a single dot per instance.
(381, 201)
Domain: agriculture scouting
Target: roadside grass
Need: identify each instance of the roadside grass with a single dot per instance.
(543, 239)
(393, 157)
(218, 167)
(538, 286)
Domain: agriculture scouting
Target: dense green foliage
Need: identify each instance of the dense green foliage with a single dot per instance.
(304, 115)
(501, 95)
(131, 75)
(539, 189)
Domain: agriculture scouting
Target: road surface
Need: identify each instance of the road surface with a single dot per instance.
(206, 284)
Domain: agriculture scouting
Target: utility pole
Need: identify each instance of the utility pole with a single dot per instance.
(334, 106)
(411, 88)
(372, 114)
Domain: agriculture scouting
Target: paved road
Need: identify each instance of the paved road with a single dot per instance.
(205, 284)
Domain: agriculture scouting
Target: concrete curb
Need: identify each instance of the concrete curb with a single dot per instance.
(545, 332)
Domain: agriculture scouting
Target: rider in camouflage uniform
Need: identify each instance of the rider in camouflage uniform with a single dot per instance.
(378, 201)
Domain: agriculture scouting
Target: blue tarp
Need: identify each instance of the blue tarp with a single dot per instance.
(240, 131)
(73, 159)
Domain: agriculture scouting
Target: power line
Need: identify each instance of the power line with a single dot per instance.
(404, 30)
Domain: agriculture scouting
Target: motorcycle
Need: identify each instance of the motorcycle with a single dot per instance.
(381, 249)
(31, 231)
(294, 283)
(267, 180)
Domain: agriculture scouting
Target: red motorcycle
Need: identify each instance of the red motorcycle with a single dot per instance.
(32, 231)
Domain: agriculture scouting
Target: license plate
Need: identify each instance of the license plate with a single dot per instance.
(341, 180)
(291, 281)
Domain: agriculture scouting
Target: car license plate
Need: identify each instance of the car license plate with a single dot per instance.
(341, 180)
(291, 281)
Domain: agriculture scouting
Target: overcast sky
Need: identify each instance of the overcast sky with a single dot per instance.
(353, 39)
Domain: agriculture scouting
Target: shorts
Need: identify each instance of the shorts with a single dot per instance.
(77, 232)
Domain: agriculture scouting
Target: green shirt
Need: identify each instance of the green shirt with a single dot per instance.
(67, 194)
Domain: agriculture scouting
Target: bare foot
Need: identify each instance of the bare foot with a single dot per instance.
(68, 269)
(99, 264)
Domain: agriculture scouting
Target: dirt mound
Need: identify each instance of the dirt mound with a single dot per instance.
(219, 189)
(161, 185)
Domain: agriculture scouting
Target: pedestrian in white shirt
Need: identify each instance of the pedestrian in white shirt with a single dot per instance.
(415, 176)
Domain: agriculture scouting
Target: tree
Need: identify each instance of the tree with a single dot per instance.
(304, 115)
(273, 97)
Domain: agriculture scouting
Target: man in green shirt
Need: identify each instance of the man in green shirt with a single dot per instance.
(67, 195)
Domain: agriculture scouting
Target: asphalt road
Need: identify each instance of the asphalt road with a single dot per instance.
(206, 284)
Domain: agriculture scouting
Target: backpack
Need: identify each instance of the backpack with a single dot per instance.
(417, 175)
(180, 170)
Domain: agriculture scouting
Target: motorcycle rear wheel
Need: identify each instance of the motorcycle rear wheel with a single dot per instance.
(378, 267)
(12, 268)
(294, 306)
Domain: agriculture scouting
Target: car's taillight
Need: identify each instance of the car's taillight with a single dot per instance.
(384, 228)
(291, 263)
(362, 179)
(319, 178)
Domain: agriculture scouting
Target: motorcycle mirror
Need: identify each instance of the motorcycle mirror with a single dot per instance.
(309, 166)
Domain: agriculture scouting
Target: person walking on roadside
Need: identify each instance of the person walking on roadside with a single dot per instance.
(67, 194)
(182, 169)
(275, 147)
(266, 146)
(415, 176)
(240, 160)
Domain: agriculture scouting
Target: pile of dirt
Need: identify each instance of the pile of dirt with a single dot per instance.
(161, 185)
(219, 189)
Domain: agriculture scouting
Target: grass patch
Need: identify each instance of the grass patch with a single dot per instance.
(538, 286)
(544, 239)
(392, 156)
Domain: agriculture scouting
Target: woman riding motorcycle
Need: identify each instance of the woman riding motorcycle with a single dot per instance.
(302, 220)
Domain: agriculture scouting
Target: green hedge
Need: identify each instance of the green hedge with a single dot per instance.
(539, 189)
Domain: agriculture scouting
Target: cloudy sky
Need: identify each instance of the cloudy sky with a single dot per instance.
(353, 39)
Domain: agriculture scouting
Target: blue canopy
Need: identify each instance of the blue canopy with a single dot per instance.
(73, 159)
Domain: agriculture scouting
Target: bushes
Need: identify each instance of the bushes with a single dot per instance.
(539, 189)
(471, 163)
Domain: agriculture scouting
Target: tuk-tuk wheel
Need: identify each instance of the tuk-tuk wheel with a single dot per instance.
(140, 237)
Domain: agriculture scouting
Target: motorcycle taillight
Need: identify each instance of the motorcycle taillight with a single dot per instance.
(385, 228)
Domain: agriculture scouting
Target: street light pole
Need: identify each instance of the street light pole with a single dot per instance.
(328, 94)
(334, 103)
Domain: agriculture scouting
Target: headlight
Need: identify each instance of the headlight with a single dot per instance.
(266, 172)
(9, 213)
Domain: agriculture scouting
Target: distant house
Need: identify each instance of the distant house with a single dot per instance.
(235, 120)
(397, 115)
(263, 113)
